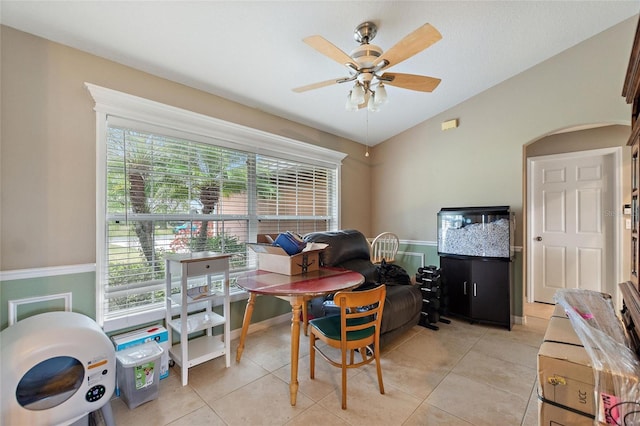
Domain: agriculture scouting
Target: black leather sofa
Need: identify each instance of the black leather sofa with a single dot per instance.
(349, 249)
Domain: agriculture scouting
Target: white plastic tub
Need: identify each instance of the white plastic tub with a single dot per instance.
(139, 373)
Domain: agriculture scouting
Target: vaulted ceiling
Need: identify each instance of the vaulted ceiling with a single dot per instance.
(252, 52)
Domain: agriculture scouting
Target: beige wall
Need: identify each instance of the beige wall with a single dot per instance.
(48, 136)
(47, 149)
(583, 140)
(480, 163)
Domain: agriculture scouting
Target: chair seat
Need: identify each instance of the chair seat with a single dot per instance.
(329, 326)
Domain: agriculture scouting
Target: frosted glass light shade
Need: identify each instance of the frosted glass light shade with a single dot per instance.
(349, 105)
(357, 94)
(381, 94)
(372, 105)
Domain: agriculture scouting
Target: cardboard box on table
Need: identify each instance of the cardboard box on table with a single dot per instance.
(566, 381)
(275, 259)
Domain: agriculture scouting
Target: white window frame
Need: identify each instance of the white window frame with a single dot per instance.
(109, 102)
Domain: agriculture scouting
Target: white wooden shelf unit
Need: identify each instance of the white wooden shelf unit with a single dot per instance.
(183, 269)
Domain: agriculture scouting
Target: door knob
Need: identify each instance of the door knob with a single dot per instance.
(538, 238)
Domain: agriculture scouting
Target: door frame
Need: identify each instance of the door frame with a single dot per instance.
(615, 186)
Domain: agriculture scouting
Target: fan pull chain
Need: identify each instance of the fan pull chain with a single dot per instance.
(366, 139)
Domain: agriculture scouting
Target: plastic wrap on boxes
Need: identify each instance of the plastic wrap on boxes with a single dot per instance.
(615, 365)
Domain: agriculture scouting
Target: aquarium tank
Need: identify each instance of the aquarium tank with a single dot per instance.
(476, 231)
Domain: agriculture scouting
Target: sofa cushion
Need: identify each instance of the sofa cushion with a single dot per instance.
(365, 267)
(402, 307)
(343, 246)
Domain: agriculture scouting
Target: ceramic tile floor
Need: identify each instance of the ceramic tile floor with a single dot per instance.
(463, 374)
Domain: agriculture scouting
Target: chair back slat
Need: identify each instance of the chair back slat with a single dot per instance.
(361, 310)
(384, 246)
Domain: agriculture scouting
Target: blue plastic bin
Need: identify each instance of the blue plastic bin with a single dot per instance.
(290, 243)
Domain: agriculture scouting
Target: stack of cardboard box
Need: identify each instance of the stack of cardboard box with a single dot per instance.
(571, 390)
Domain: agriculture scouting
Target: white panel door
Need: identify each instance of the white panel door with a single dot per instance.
(572, 224)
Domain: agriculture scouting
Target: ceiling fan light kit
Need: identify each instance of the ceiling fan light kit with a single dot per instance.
(367, 64)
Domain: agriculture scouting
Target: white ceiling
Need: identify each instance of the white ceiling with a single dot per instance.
(252, 52)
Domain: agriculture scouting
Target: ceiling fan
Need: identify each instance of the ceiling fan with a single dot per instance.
(367, 64)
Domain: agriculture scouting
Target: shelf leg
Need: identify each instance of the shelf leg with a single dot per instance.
(184, 368)
(245, 324)
(209, 305)
(227, 323)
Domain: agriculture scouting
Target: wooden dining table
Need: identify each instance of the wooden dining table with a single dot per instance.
(297, 289)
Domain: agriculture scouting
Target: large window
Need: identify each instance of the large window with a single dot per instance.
(173, 181)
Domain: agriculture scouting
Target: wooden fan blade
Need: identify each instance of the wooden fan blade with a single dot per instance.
(413, 43)
(420, 83)
(316, 85)
(328, 49)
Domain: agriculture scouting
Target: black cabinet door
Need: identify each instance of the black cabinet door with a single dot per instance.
(457, 276)
(490, 291)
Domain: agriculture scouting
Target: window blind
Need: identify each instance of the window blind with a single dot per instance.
(294, 197)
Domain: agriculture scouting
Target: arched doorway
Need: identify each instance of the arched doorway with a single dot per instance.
(572, 254)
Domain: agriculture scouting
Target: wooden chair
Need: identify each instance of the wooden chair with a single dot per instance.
(356, 327)
(384, 246)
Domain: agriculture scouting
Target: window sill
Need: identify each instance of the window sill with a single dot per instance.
(139, 319)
